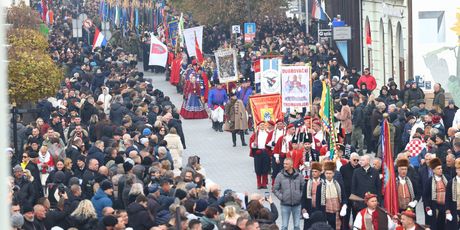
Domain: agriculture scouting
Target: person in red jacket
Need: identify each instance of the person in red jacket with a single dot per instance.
(368, 79)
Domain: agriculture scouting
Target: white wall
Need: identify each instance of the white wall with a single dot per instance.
(381, 66)
(432, 58)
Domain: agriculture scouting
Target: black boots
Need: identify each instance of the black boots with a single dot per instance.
(219, 126)
(215, 125)
(234, 138)
(243, 143)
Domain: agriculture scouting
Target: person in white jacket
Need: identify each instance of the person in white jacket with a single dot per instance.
(175, 148)
(105, 98)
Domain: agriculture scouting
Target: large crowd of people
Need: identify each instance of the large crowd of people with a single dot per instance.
(106, 151)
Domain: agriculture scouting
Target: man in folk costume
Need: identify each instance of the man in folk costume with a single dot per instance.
(372, 217)
(318, 135)
(408, 193)
(216, 102)
(275, 134)
(330, 197)
(272, 138)
(260, 155)
(282, 147)
(434, 196)
(296, 153)
(453, 199)
(408, 221)
(309, 193)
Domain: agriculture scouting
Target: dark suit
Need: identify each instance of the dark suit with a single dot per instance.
(365, 181)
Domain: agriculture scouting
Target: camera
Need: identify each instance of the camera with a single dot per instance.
(62, 189)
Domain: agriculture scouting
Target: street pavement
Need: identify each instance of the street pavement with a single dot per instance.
(230, 167)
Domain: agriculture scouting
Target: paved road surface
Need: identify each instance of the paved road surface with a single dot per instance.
(230, 167)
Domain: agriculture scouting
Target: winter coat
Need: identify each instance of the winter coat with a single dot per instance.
(105, 98)
(237, 118)
(411, 96)
(345, 118)
(81, 222)
(448, 116)
(101, 200)
(117, 112)
(87, 110)
(317, 89)
(288, 188)
(174, 144)
(26, 193)
(139, 217)
(95, 153)
(439, 100)
(176, 123)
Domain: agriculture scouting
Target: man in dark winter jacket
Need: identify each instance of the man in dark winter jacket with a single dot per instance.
(96, 152)
(24, 192)
(117, 112)
(138, 214)
(365, 179)
(449, 114)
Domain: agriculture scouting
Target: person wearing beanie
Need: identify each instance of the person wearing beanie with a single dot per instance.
(434, 196)
(452, 199)
(380, 220)
(101, 198)
(408, 192)
(330, 196)
(146, 132)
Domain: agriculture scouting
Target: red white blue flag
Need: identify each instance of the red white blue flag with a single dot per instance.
(99, 39)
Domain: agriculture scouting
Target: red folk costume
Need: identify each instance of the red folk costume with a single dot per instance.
(192, 107)
(261, 157)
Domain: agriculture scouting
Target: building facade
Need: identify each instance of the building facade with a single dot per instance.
(385, 39)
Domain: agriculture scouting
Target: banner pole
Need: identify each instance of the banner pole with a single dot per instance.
(311, 96)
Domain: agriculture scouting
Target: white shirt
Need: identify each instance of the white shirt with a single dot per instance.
(402, 180)
(458, 179)
(261, 138)
(277, 133)
(285, 144)
(359, 221)
(437, 178)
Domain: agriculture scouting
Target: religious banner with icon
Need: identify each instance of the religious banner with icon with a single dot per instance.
(266, 107)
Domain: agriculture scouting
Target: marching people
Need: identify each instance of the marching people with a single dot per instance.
(434, 196)
(408, 192)
(193, 107)
(288, 189)
(272, 139)
(365, 179)
(453, 199)
(347, 174)
(259, 153)
(237, 119)
(372, 216)
(282, 147)
(217, 99)
(309, 204)
(330, 197)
